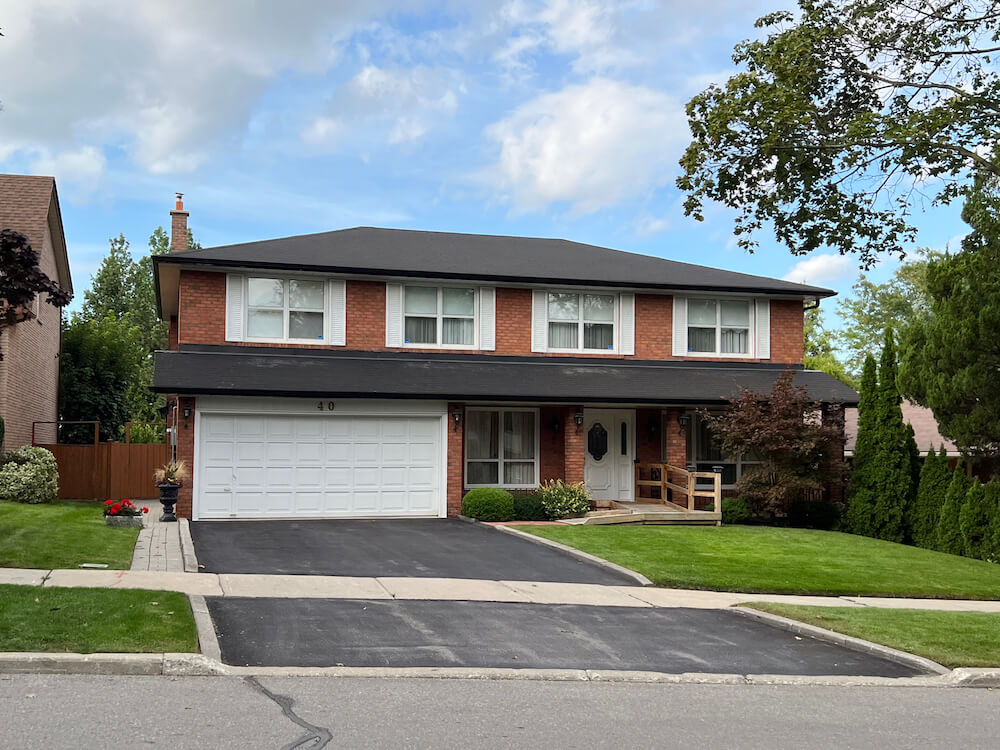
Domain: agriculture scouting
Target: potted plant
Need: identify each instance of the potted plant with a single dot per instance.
(123, 513)
(169, 478)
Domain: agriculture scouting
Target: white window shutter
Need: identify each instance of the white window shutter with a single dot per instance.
(680, 333)
(539, 319)
(626, 323)
(336, 312)
(763, 328)
(235, 307)
(393, 315)
(487, 318)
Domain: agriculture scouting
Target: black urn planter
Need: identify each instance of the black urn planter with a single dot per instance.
(168, 499)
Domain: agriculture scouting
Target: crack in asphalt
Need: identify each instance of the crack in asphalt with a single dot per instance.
(315, 737)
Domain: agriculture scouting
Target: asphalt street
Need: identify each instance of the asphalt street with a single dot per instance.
(397, 633)
(57, 711)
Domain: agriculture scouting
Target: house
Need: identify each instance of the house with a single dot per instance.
(381, 372)
(29, 370)
(920, 418)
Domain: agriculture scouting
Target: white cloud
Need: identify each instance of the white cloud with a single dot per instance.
(590, 145)
(821, 269)
(81, 169)
(649, 225)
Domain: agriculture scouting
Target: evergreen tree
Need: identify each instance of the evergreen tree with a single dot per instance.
(949, 530)
(974, 521)
(860, 502)
(935, 476)
(916, 466)
(993, 529)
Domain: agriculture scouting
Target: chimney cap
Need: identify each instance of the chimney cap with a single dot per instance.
(180, 202)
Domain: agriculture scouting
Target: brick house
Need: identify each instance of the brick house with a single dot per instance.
(29, 370)
(378, 372)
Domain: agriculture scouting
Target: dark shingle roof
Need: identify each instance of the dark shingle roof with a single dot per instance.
(260, 371)
(404, 252)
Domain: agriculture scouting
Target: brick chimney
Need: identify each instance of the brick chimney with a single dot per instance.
(179, 226)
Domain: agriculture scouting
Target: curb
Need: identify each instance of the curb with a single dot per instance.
(198, 665)
(208, 639)
(187, 546)
(855, 644)
(579, 554)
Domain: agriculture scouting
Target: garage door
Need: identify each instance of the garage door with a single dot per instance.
(270, 466)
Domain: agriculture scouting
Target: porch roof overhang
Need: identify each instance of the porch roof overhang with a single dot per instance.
(259, 371)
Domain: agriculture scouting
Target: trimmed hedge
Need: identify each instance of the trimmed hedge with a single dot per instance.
(29, 475)
(735, 510)
(528, 506)
(564, 500)
(488, 504)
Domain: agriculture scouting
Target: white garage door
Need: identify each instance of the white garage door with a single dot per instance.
(271, 466)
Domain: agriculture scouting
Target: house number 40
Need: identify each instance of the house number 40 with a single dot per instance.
(325, 405)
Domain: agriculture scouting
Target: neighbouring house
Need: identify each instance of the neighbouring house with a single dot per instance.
(29, 370)
(381, 372)
(920, 418)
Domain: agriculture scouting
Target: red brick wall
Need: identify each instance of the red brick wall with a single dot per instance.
(648, 436)
(550, 457)
(573, 446)
(185, 453)
(456, 461)
(674, 440)
(202, 321)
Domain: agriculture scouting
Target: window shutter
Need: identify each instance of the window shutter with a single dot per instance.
(393, 315)
(336, 312)
(539, 319)
(487, 318)
(680, 336)
(626, 323)
(763, 317)
(235, 307)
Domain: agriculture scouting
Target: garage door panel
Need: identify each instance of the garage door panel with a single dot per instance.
(258, 466)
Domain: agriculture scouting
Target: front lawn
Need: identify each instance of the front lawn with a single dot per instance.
(86, 621)
(781, 561)
(61, 535)
(954, 639)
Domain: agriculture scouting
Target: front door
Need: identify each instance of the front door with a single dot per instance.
(609, 447)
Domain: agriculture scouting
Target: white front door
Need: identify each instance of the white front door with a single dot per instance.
(609, 447)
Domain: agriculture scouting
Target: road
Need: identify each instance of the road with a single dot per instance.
(55, 711)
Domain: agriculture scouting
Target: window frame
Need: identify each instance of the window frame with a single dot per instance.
(499, 460)
(286, 309)
(581, 321)
(751, 327)
(738, 461)
(440, 317)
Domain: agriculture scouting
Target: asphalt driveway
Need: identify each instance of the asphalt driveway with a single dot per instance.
(423, 548)
(397, 633)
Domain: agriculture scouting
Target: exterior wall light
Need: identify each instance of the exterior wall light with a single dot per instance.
(457, 416)
(578, 419)
(683, 421)
(187, 411)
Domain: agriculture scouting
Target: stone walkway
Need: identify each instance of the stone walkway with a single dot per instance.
(158, 547)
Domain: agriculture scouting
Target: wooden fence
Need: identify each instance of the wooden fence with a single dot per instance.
(99, 471)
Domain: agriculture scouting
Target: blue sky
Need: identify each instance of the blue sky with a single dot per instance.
(527, 117)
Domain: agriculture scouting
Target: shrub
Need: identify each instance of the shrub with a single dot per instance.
(814, 514)
(735, 510)
(973, 520)
(949, 530)
(488, 504)
(528, 506)
(993, 530)
(29, 475)
(935, 476)
(564, 500)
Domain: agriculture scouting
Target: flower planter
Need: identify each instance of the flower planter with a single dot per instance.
(132, 522)
(168, 499)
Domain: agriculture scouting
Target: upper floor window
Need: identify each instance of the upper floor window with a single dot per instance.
(581, 322)
(439, 316)
(718, 326)
(285, 309)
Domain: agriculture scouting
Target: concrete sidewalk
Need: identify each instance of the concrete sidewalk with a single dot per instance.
(448, 589)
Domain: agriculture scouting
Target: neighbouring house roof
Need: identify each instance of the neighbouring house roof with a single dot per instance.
(410, 253)
(29, 204)
(259, 371)
(925, 429)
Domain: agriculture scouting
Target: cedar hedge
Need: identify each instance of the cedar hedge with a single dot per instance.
(488, 504)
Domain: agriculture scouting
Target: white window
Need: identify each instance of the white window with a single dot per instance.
(581, 322)
(439, 316)
(718, 326)
(285, 309)
(501, 448)
(707, 454)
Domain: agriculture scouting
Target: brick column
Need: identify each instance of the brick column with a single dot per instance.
(573, 446)
(185, 453)
(675, 439)
(456, 461)
(833, 414)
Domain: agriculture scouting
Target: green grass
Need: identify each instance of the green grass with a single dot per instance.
(954, 639)
(786, 561)
(61, 535)
(86, 621)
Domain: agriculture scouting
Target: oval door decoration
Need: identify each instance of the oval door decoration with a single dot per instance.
(597, 441)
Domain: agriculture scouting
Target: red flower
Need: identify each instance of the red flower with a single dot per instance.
(115, 508)
(107, 502)
(145, 510)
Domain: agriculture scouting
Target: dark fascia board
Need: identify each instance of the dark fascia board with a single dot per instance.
(187, 259)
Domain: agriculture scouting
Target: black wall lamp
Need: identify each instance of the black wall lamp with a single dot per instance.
(578, 419)
(683, 421)
(186, 411)
(457, 416)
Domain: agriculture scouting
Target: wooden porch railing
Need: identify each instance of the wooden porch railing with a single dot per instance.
(673, 481)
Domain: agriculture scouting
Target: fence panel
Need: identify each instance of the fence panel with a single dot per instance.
(131, 468)
(108, 470)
